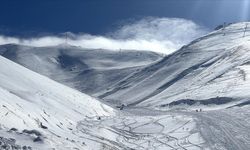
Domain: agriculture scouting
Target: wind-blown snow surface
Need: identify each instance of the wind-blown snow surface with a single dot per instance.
(211, 70)
(87, 70)
(29, 101)
(39, 113)
(210, 73)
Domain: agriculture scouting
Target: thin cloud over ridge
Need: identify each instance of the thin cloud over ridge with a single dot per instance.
(164, 35)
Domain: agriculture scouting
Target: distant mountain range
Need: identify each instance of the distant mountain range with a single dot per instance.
(87, 70)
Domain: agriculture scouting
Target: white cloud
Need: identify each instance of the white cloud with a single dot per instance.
(163, 35)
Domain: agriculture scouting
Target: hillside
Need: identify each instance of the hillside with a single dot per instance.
(212, 70)
(87, 70)
(172, 103)
(39, 112)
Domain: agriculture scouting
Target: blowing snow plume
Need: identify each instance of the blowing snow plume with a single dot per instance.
(164, 35)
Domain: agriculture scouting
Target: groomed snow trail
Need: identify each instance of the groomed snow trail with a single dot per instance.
(224, 129)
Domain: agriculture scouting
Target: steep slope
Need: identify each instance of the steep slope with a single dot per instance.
(87, 70)
(39, 112)
(211, 70)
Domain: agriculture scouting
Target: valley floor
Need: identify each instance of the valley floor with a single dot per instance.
(141, 129)
(225, 129)
(184, 130)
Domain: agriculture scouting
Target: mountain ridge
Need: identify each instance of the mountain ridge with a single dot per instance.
(87, 70)
(178, 75)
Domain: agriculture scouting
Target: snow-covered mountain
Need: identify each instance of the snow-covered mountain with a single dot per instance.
(87, 70)
(210, 73)
(38, 113)
(35, 109)
(211, 70)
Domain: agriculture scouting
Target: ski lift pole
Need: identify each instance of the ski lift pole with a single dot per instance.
(223, 29)
(66, 38)
(245, 30)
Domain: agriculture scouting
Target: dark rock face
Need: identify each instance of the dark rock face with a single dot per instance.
(211, 101)
(10, 144)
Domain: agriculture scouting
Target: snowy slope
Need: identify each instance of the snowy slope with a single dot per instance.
(29, 101)
(211, 70)
(39, 113)
(88, 70)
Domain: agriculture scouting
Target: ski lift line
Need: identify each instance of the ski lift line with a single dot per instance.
(234, 32)
(245, 30)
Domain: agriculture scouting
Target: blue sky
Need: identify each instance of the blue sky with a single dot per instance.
(100, 16)
(157, 25)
